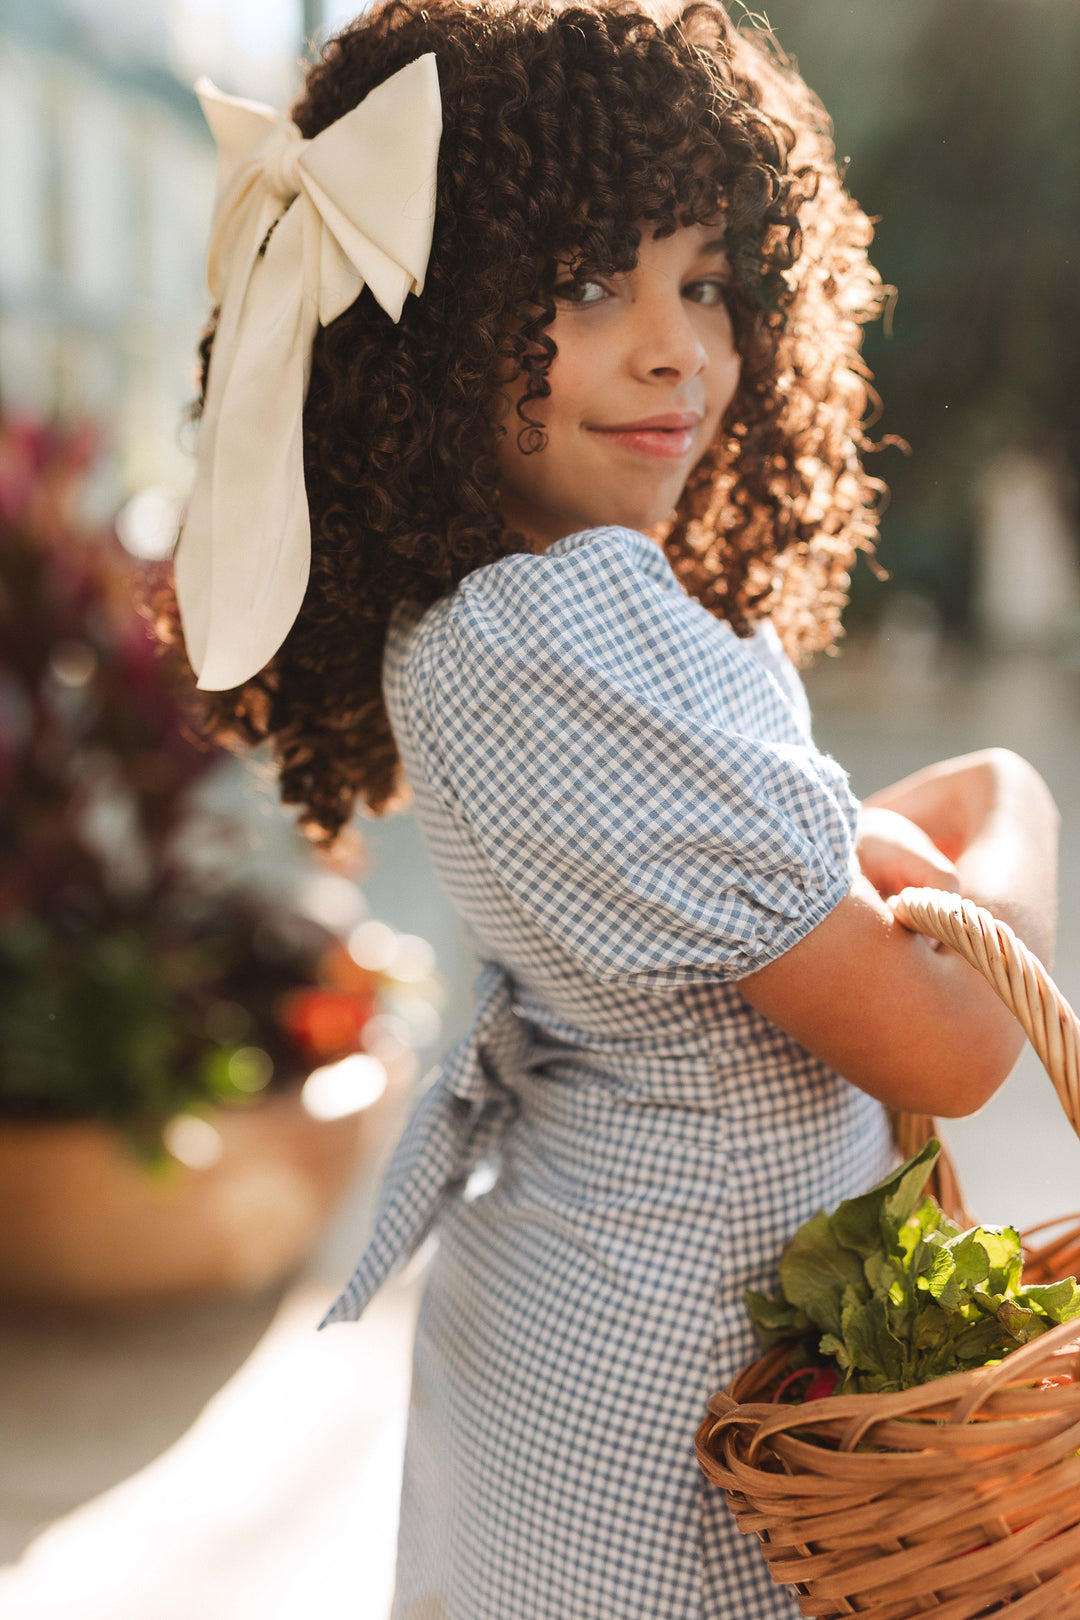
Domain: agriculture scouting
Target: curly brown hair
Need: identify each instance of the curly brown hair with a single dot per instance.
(565, 127)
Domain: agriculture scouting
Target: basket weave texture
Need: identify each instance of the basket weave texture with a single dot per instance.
(959, 1498)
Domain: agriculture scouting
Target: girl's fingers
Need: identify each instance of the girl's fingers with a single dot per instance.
(894, 854)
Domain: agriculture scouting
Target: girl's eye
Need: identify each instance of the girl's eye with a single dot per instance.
(709, 293)
(579, 291)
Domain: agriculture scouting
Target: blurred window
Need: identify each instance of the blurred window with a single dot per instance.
(176, 195)
(96, 185)
(24, 248)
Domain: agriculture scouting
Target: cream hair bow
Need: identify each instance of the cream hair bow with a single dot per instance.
(359, 206)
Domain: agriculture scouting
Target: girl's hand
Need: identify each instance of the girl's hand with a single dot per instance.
(953, 800)
(893, 853)
(948, 801)
(993, 815)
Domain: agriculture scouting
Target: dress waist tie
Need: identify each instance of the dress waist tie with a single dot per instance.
(456, 1123)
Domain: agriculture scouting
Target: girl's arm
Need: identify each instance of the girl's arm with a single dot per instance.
(912, 1025)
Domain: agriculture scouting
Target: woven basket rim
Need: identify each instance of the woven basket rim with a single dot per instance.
(965, 1391)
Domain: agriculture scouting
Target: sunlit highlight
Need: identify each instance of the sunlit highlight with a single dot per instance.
(339, 1089)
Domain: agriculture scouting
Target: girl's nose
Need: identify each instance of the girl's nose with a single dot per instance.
(667, 344)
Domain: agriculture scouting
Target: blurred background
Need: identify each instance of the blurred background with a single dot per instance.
(175, 1440)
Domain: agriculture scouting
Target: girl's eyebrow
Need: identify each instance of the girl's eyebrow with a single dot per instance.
(717, 245)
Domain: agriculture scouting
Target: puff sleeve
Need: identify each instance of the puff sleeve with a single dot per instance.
(637, 778)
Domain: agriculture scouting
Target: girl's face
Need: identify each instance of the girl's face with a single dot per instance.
(645, 369)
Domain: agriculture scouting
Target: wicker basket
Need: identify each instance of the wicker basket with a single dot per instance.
(959, 1498)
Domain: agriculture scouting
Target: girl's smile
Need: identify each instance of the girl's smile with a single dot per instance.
(645, 368)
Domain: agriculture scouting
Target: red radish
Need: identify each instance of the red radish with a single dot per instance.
(823, 1382)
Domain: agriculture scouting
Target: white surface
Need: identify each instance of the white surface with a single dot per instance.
(279, 1502)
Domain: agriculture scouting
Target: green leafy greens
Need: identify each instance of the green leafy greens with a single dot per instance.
(895, 1294)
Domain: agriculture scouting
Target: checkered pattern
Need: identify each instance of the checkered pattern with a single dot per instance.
(624, 802)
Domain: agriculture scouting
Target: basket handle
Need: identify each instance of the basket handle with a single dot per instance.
(1014, 972)
(911, 1132)
(1022, 983)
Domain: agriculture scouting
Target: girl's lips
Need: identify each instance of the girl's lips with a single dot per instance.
(667, 443)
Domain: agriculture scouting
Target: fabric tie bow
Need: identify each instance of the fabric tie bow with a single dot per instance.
(360, 208)
(461, 1118)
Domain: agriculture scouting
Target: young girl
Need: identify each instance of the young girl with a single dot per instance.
(580, 470)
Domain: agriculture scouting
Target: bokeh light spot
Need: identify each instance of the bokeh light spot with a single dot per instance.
(193, 1141)
(339, 1089)
(413, 960)
(330, 899)
(250, 1068)
(73, 663)
(373, 945)
(147, 525)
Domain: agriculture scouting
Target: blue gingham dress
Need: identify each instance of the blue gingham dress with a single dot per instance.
(623, 800)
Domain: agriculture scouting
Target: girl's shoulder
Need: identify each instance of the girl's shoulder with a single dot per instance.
(580, 575)
(592, 587)
(609, 586)
(598, 609)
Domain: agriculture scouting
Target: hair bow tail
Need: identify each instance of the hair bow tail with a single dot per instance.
(250, 495)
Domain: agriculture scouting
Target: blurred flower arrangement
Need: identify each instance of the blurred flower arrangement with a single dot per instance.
(137, 982)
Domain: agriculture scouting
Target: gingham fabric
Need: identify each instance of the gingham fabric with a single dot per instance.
(624, 802)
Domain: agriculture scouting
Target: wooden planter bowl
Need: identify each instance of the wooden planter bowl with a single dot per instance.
(959, 1498)
(83, 1223)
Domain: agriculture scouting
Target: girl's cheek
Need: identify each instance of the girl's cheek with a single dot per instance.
(727, 373)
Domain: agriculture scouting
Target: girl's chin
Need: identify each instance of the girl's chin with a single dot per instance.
(624, 511)
(656, 506)
(645, 519)
(546, 526)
